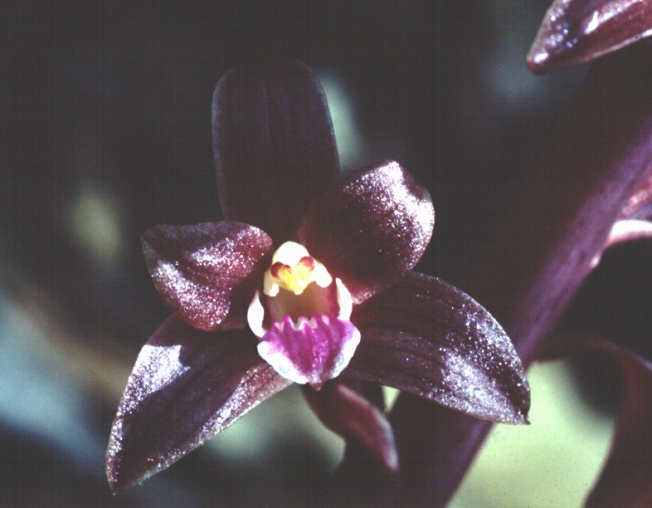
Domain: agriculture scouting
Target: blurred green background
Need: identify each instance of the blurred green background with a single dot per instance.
(105, 132)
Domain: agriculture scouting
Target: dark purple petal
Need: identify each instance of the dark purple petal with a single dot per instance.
(357, 420)
(274, 146)
(370, 229)
(625, 480)
(186, 387)
(427, 337)
(577, 31)
(207, 273)
(312, 351)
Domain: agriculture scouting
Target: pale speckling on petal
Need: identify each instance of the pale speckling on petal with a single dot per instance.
(204, 271)
(163, 365)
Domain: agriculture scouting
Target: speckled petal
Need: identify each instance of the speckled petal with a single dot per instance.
(186, 387)
(274, 146)
(370, 229)
(427, 337)
(577, 31)
(310, 352)
(207, 273)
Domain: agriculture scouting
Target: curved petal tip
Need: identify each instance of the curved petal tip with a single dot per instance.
(427, 337)
(578, 31)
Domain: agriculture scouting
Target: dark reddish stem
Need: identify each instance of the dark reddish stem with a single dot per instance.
(540, 254)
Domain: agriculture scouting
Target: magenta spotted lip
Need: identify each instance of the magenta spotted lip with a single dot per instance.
(310, 351)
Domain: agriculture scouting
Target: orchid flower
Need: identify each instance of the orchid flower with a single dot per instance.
(308, 280)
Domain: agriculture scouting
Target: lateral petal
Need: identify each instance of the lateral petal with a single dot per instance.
(186, 386)
(207, 273)
(371, 228)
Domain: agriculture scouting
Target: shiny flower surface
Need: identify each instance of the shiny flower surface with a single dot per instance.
(298, 310)
(308, 280)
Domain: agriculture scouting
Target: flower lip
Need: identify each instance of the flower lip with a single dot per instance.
(297, 286)
(311, 351)
(258, 315)
(302, 319)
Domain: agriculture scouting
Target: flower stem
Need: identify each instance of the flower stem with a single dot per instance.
(541, 253)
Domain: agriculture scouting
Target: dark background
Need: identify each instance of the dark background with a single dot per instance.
(105, 132)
